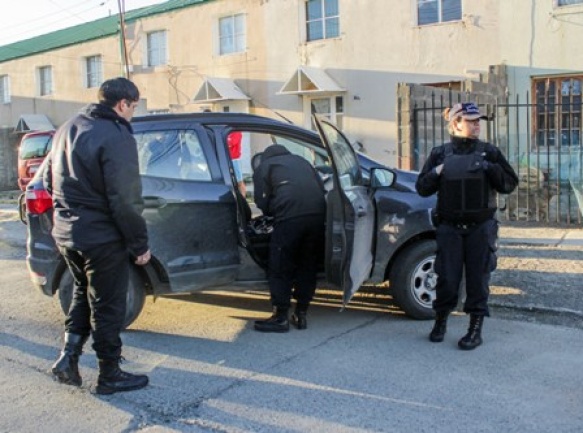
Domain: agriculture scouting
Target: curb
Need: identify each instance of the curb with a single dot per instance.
(537, 309)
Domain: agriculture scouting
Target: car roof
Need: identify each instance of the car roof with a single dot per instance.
(35, 133)
(211, 118)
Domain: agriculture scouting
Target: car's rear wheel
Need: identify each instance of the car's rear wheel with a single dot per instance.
(22, 208)
(413, 280)
(134, 302)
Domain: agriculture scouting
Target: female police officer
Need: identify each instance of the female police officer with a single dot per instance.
(465, 173)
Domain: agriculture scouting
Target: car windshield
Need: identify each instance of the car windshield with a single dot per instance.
(35, 146)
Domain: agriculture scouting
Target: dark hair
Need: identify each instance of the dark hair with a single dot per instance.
(117, 89)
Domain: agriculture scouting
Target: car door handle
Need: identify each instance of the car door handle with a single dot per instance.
(154, 202)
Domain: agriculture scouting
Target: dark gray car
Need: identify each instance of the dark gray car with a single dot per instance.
(378, 228)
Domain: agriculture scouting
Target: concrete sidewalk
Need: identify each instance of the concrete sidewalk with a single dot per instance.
(523, 234)
(540, 274)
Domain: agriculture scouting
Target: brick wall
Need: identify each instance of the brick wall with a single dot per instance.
(419, 110)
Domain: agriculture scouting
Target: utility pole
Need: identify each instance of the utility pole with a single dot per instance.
(122, 33)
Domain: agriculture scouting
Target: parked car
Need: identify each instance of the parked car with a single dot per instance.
(378, 228)
(33, 148)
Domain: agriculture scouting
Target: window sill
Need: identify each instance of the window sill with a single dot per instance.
(441, 23)
(225, 55)
(142, 69)
(315, 41)
(567, 10)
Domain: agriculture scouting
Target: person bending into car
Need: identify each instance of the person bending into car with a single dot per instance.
(465, 173)
(288, 188)
(94, 181)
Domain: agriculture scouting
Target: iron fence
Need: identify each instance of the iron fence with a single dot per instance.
(541, 140)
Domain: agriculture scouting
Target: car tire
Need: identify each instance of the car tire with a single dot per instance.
(412, 280)
(22, 208)
(134, 302)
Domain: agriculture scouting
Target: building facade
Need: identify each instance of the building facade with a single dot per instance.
(345, 59)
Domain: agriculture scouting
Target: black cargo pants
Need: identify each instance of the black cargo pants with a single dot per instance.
(296, 249)
(101, 277)
(473, 247)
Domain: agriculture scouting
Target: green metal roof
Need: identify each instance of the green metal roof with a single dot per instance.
(100, 28)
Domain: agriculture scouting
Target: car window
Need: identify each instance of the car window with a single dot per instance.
(172, 154)
(35, 146)
(254, 143)
(313, 155)
(346, 165)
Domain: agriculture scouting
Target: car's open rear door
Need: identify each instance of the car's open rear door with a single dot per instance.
(350, 216)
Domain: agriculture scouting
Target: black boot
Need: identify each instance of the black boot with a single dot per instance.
(474, 336)
(66, 368)
(439, 327)
(113, 379)
(278, 322)
(299, 318)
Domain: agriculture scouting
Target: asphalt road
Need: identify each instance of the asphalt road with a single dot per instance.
(366, 369)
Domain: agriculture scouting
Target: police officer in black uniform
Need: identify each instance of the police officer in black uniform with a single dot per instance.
(465, 173)
(93, 177)
(288, 188)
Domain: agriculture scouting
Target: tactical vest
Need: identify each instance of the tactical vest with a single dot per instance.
(464, 193)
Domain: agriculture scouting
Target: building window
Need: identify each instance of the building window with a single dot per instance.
(568, 2)
(93, 71)
(322, 19)
(232, 34)
(45, 80)
(156, 50)
(557, 111)
(4, 89)
(438, 11)
(332, 108)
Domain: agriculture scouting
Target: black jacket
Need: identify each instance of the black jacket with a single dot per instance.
(93, 177)
(500, 175)
(287, 186)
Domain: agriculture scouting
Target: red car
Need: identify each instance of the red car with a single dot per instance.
(33, 148)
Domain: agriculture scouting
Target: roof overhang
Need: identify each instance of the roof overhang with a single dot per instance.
(308, 80)
(216, 89)
(33, 122)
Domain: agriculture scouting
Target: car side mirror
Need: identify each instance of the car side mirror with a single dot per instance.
(381, 177)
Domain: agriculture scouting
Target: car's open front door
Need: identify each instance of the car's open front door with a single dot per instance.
(350, 216)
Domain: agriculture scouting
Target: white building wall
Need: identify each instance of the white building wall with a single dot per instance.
(379, 47)
(542, 43)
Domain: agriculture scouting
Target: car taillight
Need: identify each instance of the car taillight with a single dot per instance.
(38, 201)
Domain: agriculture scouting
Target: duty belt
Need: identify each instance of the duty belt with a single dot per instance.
(462, 226)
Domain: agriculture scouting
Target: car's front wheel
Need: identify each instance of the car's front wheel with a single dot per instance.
(412, 280)
(134, 302)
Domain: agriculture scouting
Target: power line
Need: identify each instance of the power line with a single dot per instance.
(73, 14)
(37, 29)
